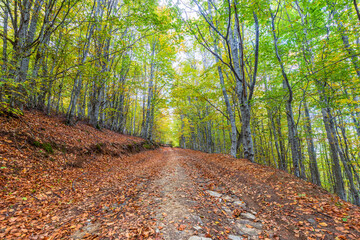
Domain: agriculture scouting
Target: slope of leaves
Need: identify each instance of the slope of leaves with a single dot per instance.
(47, 167)
(290, 206)
(61, 182)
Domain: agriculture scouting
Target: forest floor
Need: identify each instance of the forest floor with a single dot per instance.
(62, 182)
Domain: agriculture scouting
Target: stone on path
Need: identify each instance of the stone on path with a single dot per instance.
(233, 237)
(197, 228)
(248, 215)
(254, 224)
(198, 220)
(249, 231)
(214, 194)
(228, 198)
(89, 229)
(240, 203)
(253, 212)
(227, 210)
(199, 238)
(311, 220)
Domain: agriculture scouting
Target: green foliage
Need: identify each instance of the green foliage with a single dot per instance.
(48, 148)
(7, 110)
(106, 59)
(99, 147)
(45, 146)
(37, 144)
(148, 146)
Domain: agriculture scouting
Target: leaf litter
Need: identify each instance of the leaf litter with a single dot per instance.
(76, 182)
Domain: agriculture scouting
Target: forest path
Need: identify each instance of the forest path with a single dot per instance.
(211, 196)
(177, 194)
(190, 206)
(159, 194)
(111, 186)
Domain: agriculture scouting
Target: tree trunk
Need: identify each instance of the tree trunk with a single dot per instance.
(344, 156)
(292, 128)
(315, 176)
(30, 34)
(147, 132)
(78, 77)
(230, 112)
(3, 75)
(247, 140)
(333, 142)
(182, 138)
(134, 116)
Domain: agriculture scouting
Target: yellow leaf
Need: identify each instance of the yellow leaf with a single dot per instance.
(323, 224)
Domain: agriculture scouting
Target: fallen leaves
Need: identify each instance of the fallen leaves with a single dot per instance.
(281, 196)
(323, 224)
(36, 185)
(237, 212)
(181, 227)
(38, 199)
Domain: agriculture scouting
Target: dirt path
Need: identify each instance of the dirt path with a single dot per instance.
(173, 213)
(192, 207)
(162, 196)
(176, 194)
(203, 196)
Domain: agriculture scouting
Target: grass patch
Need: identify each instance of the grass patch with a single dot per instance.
(99, 146)
(45, 146)
(147, 146)
(48, 148)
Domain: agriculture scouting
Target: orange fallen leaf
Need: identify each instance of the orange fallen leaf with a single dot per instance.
(182, 227)
(323, 224)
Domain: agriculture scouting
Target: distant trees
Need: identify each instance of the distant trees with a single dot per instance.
(290, 68)
(87, 59)
(275, 82)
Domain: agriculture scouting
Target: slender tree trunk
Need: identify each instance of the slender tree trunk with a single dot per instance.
(150, 91)
(282, 164)
(344, 156)
(135, 109)
(230, 112)
(315, 176)
(292, 128)
(30, 34)
(59, 94)
(353, 56)
(143, 103)
(333, 143)
(356, 9)
(182, 138)
(248, 146)
(3, 75)
(78, 78)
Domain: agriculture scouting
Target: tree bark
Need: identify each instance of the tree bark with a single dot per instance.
(230, 112)
(344, 156)
(247, 140)
(147, 132)
(3, 76)
(315, 176)
(292, 128)
(333, 142)
(78, 77)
